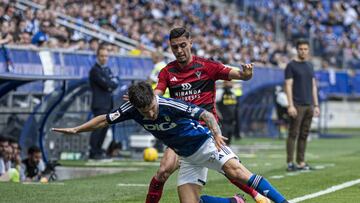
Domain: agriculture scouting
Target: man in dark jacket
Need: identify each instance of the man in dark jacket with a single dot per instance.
(102, 83)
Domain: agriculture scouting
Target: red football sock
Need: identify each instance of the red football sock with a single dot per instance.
(249, 190)
(155, 191)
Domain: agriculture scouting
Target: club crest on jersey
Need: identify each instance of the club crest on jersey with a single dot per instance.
(198, 74)
(114, 116)
(167, 118)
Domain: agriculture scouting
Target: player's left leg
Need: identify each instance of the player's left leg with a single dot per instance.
(302, 140)
(189, 193)
(235, 170)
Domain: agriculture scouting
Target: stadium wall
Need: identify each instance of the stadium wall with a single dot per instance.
(341, 114)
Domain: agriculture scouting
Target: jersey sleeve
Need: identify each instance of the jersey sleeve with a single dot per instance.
(288, 72)
(124, 112)
(162, 80)
(184, 109)
(218, 71)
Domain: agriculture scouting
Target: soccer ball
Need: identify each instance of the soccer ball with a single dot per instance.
(44, 180)
(150, 154)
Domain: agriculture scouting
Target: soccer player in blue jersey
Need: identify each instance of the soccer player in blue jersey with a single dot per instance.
(176, 124)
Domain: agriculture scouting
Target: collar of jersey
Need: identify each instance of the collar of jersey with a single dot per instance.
(187, 67)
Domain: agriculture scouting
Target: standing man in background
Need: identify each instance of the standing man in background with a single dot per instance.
(102, 83)
(301, 92)
(227, 110)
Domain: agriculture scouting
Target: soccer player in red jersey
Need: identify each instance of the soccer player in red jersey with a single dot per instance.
(192, 79)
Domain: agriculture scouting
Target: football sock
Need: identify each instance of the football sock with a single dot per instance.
(155, 191)
(249, 190)
(211, 199)
(261, 185)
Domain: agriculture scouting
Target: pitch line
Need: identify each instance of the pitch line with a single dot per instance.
(327, 191)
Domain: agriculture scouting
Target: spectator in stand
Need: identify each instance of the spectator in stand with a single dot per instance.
(41, 37)
(15, 156)
(5, 158)
(237, 36)
(33, 166)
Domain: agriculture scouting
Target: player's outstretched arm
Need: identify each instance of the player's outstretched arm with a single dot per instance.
(245, 74)
(93, 124)
(214, 127)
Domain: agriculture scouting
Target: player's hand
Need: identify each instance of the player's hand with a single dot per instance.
(316, 111)
(248, 70)
(219, 141)
(292, 111)
(126, 97)
(65, 130)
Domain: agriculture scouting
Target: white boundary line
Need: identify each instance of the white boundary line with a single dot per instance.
(327, 191)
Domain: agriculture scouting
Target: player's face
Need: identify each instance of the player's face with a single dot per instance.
(303, 51)
(181, 48)
(150, 112)
(103, 56)
(3, 146)
(36, 157)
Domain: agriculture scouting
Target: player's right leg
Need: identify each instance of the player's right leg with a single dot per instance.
(168, 164)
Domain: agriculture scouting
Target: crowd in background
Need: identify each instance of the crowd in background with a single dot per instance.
(334, 26)
(15, 169)
(229, 35)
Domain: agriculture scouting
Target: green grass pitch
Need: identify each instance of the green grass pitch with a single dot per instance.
(338, 161)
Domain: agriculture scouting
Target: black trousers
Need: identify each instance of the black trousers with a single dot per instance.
(97, 137)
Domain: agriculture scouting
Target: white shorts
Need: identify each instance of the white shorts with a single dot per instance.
(194, 168)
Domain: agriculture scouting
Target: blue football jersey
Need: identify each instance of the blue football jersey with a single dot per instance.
(176, 125)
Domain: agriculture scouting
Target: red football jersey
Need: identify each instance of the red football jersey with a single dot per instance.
(195, 82)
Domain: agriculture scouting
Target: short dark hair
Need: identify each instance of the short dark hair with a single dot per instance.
(4, 139)
(141, 94)
(301, 42)
(33, 149)
(178, 32)
(102, 46)
(12, 140)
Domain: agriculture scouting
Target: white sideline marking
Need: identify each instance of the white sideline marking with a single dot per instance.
(131, 185)
(276, 177)
(295, 173)
(327, 191)
(38, 183)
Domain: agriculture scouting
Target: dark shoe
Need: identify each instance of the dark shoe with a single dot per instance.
(306, 167)
(291, 167)
(98, 156)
